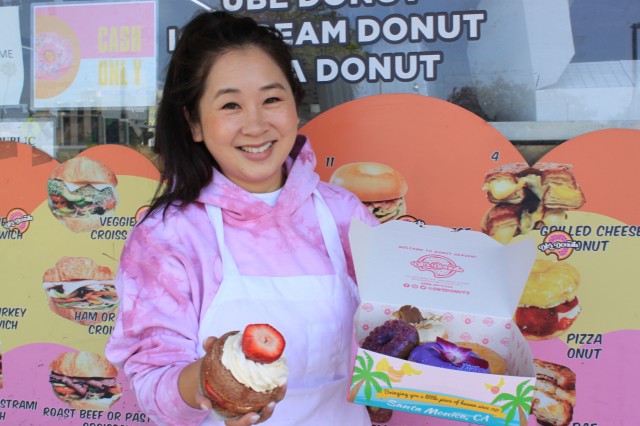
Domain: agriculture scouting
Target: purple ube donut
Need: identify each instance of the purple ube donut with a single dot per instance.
(445, 354)
(394, 338)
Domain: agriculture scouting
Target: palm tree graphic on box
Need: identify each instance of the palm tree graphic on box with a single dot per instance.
(364, 375)
(519, 403)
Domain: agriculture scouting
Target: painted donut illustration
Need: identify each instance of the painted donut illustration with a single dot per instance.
(56, 56)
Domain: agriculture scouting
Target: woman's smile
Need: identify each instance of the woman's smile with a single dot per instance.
(257, 149)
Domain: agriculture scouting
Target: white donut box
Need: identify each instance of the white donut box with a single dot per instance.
(475, 284)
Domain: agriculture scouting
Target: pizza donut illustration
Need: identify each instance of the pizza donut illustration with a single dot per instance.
(56, 56)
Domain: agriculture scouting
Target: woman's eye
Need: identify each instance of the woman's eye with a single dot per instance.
(230, 105)
(271, 100)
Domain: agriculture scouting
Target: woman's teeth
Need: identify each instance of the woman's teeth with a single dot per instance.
(257, 150)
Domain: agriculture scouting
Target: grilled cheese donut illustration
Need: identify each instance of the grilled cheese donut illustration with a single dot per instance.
(528, 197)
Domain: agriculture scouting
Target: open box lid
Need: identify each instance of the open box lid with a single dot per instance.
(399, 263)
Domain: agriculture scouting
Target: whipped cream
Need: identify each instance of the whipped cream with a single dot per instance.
(259, 377)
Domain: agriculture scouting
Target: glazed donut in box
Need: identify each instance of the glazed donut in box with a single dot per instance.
(434, 325)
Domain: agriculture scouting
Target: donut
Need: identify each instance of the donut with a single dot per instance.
(497, 364)
(379, 415)
(445, 354)
(395, 338)
(261, 381)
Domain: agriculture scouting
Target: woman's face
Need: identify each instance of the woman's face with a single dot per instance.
(248, 119)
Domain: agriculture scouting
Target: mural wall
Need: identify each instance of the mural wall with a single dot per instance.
(443, 95)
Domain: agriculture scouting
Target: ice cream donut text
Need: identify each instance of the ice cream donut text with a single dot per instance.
(360, 66)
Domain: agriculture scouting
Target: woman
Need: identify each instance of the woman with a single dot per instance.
(243, 232)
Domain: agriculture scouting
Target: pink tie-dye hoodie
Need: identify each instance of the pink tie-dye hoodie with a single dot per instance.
(170, 271)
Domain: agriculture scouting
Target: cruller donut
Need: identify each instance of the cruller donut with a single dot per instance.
(395, 338)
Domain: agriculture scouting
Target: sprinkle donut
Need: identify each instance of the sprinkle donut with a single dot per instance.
(395, 338)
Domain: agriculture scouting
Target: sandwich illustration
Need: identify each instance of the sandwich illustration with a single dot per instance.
(549, 303)
(81, 192)
(555, 394)
(379, 186)
(80, 290)
(85, 380)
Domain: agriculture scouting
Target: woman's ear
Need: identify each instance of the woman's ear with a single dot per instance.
(196, 130)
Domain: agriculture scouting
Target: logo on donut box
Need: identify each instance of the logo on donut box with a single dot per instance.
(473, 284)
(439, 266)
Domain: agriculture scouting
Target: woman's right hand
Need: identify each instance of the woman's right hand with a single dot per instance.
(255, 418)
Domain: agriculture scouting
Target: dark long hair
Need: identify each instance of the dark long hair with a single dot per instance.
(188, 166)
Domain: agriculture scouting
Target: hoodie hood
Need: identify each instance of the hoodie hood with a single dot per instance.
(239, 205)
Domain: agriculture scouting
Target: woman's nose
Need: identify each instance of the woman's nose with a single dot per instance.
(255, 122)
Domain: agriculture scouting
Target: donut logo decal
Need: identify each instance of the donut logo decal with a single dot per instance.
(17, 220)
(439, 266)
(559, 243)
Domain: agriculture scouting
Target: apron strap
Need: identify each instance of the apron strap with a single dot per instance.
(328, 228)
(229, 267)
(330, 233)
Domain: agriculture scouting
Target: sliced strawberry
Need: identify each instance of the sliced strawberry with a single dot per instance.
(262, 343)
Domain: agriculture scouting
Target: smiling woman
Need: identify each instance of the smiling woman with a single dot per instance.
(248, 119)
(237, 175)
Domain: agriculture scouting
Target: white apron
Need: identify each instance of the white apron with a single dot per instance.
(315, 316)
